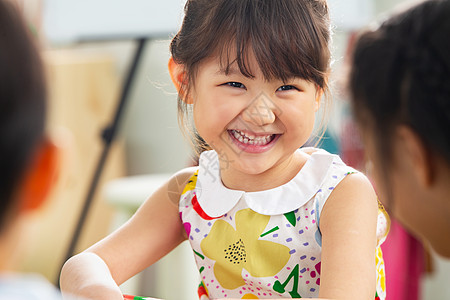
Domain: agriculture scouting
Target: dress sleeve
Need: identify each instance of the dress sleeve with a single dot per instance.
(334, 176)
(383, 224)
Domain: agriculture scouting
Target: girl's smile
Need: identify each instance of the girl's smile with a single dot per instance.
(252, 142)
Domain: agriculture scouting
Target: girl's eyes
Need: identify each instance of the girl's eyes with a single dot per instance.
(286, 88)
(235, 85)
(241, 86)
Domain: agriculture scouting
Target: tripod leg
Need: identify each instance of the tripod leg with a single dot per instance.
(108, 136)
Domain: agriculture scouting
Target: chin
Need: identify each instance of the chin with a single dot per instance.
(441, 247)
(253, 169)
(431, 236)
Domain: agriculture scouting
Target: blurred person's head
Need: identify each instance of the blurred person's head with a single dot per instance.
(27, 157)
(400, 88)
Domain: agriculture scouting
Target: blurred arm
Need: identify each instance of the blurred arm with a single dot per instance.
(153, 231)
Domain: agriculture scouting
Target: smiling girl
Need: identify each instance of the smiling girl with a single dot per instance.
(265, 219)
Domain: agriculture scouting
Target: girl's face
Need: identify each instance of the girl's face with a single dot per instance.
(254, 124)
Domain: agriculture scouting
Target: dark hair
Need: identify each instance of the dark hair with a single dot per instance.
(22, 103)
(289, 38)
(401, 76)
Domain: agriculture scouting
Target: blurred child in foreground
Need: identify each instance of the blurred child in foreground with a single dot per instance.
(400, 86)
(28, 159)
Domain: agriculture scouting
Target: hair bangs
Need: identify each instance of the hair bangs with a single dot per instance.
(283, 49)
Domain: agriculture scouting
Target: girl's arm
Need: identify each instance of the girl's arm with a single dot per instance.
(151, 233)
(348, 226)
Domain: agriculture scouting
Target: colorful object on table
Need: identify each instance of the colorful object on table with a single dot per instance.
(131, 297)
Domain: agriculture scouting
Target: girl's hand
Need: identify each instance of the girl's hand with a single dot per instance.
(97, 272)
(86, 276)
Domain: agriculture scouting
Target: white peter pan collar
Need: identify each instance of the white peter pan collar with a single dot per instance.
(216, 200)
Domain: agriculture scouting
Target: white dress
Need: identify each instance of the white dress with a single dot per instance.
(266, 244)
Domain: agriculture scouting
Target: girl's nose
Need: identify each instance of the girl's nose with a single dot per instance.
(261, 111)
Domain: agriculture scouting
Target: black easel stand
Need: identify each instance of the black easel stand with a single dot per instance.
(108, 136)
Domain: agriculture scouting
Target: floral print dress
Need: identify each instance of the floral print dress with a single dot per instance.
(267, 244)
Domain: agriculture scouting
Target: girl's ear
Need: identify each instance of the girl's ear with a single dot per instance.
(179, 79)
(319, 94)
(40, 177)
(321, 90)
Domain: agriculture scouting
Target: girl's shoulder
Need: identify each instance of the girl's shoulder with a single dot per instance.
(354, 195)
(185, 173)
(180, 180)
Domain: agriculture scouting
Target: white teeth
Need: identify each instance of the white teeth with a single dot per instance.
(252, 139)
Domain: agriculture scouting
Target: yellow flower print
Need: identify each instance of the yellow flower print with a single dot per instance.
(249, 296)
(381, 277)
(235, 250)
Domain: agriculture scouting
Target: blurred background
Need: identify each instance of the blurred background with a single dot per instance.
(88, 47)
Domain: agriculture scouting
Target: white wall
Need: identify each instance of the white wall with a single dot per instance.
(153, 139)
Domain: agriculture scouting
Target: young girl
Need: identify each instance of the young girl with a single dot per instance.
(264, 219)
